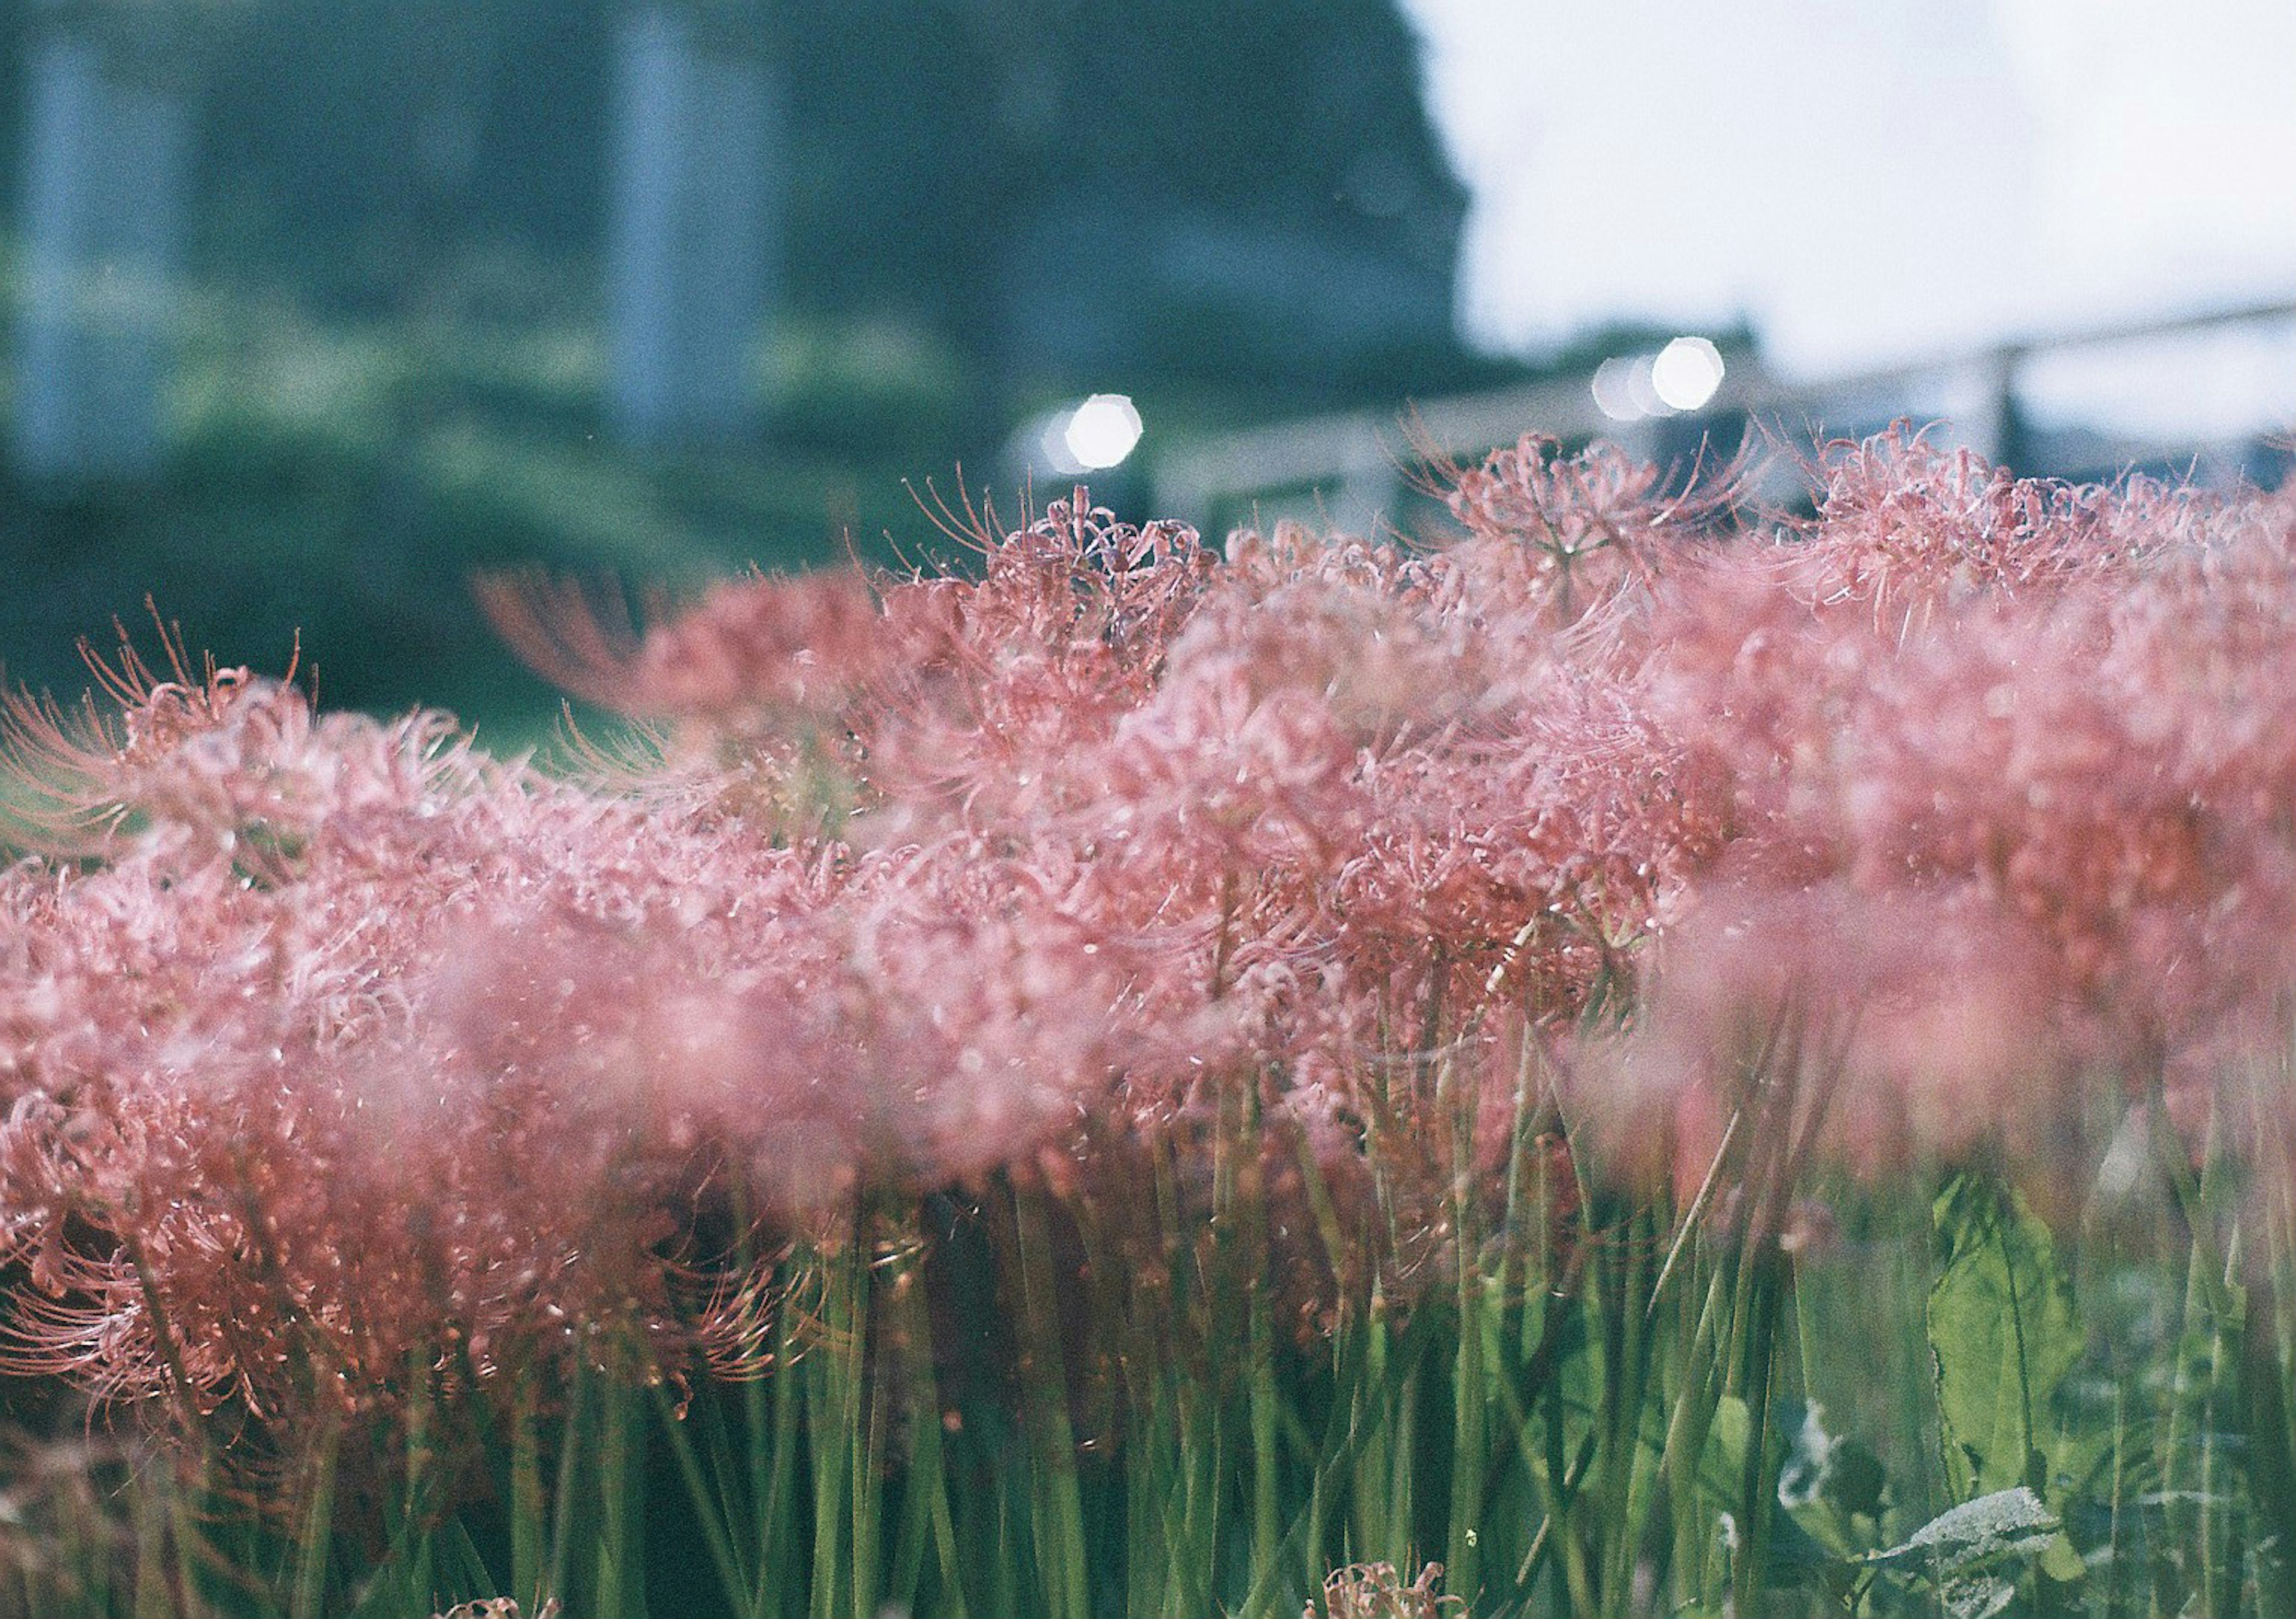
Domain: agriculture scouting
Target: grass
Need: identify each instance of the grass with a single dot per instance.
(964, 1415)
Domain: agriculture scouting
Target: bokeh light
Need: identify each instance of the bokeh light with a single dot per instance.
(1687, 373)
(1101, 431)
(1613, 390)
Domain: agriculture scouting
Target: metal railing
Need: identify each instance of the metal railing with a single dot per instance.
(1351, 469)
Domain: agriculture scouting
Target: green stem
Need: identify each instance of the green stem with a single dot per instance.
(1058, 1502)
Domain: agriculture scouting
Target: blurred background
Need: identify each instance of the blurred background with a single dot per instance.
(310, 309)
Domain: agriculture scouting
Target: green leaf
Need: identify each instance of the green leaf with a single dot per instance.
(2061, 1560)
(1975, 1532)
(2003, 1336)
(1979, 1596)
(1727, 1435)
(1826, 1483)
(1812, 1536)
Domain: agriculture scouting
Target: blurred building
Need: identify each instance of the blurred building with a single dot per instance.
(1054, 191)
(1198, 189)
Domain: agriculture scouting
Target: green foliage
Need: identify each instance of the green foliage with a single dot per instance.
(1970, 1555)
(344, 483)
(926, 1436)
(2004, 1335)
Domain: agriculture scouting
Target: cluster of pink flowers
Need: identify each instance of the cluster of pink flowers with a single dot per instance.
(1943, 822)
(2010, 844)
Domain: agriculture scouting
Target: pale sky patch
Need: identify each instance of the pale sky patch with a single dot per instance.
(1867, 180)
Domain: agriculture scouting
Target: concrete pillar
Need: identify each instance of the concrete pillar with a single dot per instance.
(691, 236)
(107, 159)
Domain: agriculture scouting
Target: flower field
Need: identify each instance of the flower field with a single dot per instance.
(1661, 1056)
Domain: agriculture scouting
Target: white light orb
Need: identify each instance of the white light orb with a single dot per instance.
(1052, 452)
(1687, 373)
(1613, 390)
(1101, 431)
(1642, 391)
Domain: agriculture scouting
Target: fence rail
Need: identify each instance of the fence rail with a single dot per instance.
(1352, 466)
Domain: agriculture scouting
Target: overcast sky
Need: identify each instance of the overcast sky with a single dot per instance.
(1866, 179)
